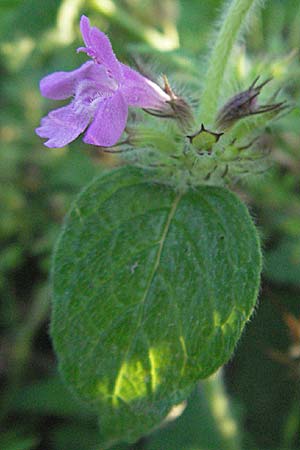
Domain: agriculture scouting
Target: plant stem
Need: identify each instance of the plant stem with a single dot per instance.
(232, 23)
(67, 16)
(219, 405)
(161, 41)
(291, 424)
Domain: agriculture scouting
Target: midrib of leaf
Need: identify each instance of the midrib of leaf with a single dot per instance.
(118, 383)
(161, 245)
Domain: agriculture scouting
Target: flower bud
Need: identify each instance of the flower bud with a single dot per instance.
(175, 108)
(245, 104)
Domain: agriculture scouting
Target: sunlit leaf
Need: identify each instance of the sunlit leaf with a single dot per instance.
(151, 292)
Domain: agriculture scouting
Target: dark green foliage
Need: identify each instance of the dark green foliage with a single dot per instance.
(151, 290)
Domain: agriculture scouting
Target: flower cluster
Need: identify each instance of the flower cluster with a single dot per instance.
(225, 147)
(102, 90)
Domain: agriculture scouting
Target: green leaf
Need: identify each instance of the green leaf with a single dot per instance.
(49, 397)
(151, 292)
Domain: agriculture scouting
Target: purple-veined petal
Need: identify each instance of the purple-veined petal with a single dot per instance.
(61, 85)
(90, 94)
(140, 91)
(63, 125)
(109, 122)
(99, 48)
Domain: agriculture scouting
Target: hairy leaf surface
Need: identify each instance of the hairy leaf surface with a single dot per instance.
(151, 292)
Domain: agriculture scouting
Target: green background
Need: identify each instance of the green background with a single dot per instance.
(38, 185)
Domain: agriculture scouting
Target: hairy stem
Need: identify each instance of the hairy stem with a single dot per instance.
(219, 405)
(233, 21)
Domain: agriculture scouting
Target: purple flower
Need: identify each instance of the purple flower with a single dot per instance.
(102, 90)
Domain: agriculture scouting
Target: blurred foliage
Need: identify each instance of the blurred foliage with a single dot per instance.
(38, 184)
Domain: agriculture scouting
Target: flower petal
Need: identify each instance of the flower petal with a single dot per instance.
(85, 29)
(63, 125)
(109, 122)
(140, 91)
(61, 85)
(99, 48)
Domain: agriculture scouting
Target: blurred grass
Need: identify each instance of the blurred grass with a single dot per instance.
(38, 184)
